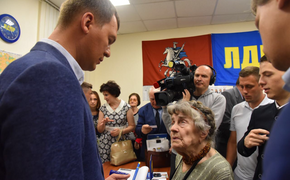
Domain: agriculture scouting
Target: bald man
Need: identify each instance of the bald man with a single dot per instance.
(149, 115)
(203, 77)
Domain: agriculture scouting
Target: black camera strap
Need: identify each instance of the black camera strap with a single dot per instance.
(188, 172)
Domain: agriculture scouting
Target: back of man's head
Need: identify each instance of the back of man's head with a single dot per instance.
(86, 85)
(87, 89)
(250, 70)
(103, 11)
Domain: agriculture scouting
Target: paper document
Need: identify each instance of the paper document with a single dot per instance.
(142, 173)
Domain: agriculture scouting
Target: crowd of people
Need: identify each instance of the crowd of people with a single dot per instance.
(233, 107)
(239, 134)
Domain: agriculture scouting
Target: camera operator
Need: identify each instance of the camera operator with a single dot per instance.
(204, 76)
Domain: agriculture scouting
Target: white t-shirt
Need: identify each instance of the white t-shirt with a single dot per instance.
(240, 118)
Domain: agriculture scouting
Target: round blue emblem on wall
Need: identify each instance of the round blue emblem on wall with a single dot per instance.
(9, 28)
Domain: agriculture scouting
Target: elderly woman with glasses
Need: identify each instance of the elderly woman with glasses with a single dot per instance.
(192, 131)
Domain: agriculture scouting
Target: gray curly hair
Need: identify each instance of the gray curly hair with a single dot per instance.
(202, 116)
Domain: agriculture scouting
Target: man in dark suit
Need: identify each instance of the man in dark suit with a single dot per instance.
(149, 115)
(233, 96)
(46, 126)
(276, 14)
(264, 117)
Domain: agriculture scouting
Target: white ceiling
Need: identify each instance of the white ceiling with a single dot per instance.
(152, 15)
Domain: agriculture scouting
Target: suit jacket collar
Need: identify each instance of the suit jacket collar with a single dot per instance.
(52, 49)
(238, 94)
(42, 46)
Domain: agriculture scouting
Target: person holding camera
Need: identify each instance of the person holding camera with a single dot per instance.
(204, 76)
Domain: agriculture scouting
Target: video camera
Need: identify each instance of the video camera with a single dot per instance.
(180, 78)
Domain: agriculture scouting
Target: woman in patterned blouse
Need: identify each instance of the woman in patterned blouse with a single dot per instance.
(114, 116)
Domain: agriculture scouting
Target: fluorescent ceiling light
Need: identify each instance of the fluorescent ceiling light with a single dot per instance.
(120, 2)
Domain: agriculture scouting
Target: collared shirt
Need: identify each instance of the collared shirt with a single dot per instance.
(286, 78)
(72, 62)
(279, 107)
(240, 118)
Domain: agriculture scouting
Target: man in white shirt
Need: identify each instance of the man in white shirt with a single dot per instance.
(263, 118)
(241, 114)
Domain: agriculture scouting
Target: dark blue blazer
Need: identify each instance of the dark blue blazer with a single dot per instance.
(146, 116)
(276, 164)
(262, 118)
(46, 127)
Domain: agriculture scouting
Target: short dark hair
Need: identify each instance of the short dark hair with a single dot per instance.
(103, 11)
(250, 70)
(87, 85)
(138, 98)
(263, 59)
(238, 82)
(111, 87)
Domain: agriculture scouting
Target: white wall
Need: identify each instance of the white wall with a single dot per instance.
(125, 64)
(26, 13)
